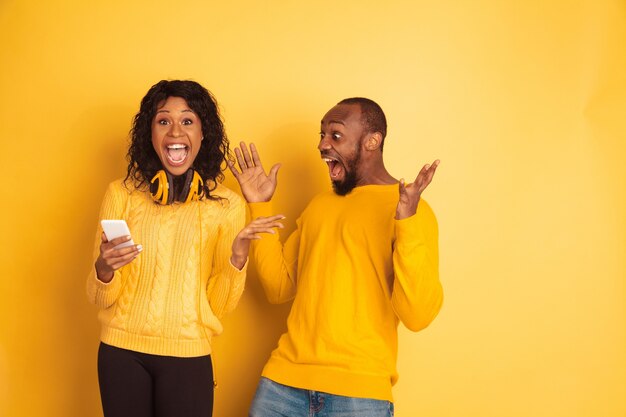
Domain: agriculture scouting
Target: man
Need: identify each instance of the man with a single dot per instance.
(363, 258)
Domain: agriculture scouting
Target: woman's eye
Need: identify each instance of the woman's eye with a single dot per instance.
(187, 122)
(336, 136)
(321, 135)
(162, 122)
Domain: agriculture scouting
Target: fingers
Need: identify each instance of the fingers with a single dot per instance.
(425, 175)
(246, 159)
(111, 259)
(270, 218)
(422, 172)
(120, 261)
(428, 175)
(255, 156)
(401, 186)
(108, 250)
(233, 169)
(246, 155)
(240, 160)
(111, 254)
(431, 171)
(117, 241)
(103, 238)
(267, 222)
(261, 225)
(252, 233)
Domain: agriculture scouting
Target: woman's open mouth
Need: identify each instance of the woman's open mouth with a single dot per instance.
(176, 153)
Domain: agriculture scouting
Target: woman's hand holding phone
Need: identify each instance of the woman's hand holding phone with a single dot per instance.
(114, 253)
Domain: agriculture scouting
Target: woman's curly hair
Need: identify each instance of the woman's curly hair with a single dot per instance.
(143, 161)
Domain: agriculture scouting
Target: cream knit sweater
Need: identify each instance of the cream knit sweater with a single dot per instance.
(169, 300)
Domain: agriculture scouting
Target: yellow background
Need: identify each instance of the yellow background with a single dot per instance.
(524, 102)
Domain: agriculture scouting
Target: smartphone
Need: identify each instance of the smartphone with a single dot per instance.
(116, 228)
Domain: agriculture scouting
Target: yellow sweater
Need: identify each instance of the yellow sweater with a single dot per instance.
(168, 301)
(354, 272)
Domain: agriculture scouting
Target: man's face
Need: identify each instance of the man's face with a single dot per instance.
(340, 145)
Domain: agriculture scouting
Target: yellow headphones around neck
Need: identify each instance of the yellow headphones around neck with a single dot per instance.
(163, 190)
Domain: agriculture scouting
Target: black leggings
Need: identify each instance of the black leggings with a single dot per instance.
(134, 384)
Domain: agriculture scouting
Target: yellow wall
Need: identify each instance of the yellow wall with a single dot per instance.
(524, 102)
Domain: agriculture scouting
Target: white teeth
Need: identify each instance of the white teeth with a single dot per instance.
(176, 153)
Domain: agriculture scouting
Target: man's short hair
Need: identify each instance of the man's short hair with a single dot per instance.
(372, 116)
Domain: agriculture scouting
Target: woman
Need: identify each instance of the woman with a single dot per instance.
(161, 299)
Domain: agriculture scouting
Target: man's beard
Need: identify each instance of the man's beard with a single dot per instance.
(350, 178)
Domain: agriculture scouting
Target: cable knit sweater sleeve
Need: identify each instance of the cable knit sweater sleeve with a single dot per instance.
(226, 283)
(100, 293)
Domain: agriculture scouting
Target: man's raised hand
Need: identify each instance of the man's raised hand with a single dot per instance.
(410, 193)
(256, 185)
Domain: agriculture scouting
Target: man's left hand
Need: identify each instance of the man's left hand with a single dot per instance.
(410, 193)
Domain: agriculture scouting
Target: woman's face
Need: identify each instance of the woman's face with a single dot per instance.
(176, 135)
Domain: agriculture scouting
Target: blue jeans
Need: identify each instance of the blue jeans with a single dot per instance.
(275, 400)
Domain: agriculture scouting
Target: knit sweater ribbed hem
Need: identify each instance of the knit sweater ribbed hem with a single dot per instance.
(155, 345)
(329, 380)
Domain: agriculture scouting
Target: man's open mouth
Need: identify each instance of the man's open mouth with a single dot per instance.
(335, 168)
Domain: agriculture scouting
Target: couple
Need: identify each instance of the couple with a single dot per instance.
(362, 258)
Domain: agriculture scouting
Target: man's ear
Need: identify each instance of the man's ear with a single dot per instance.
(373, 141)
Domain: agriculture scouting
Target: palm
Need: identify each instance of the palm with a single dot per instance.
(255, 184)
(410, 194)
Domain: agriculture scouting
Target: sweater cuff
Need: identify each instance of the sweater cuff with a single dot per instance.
(410, 230)
(243, 268)
(101, 293)
(262, 209)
